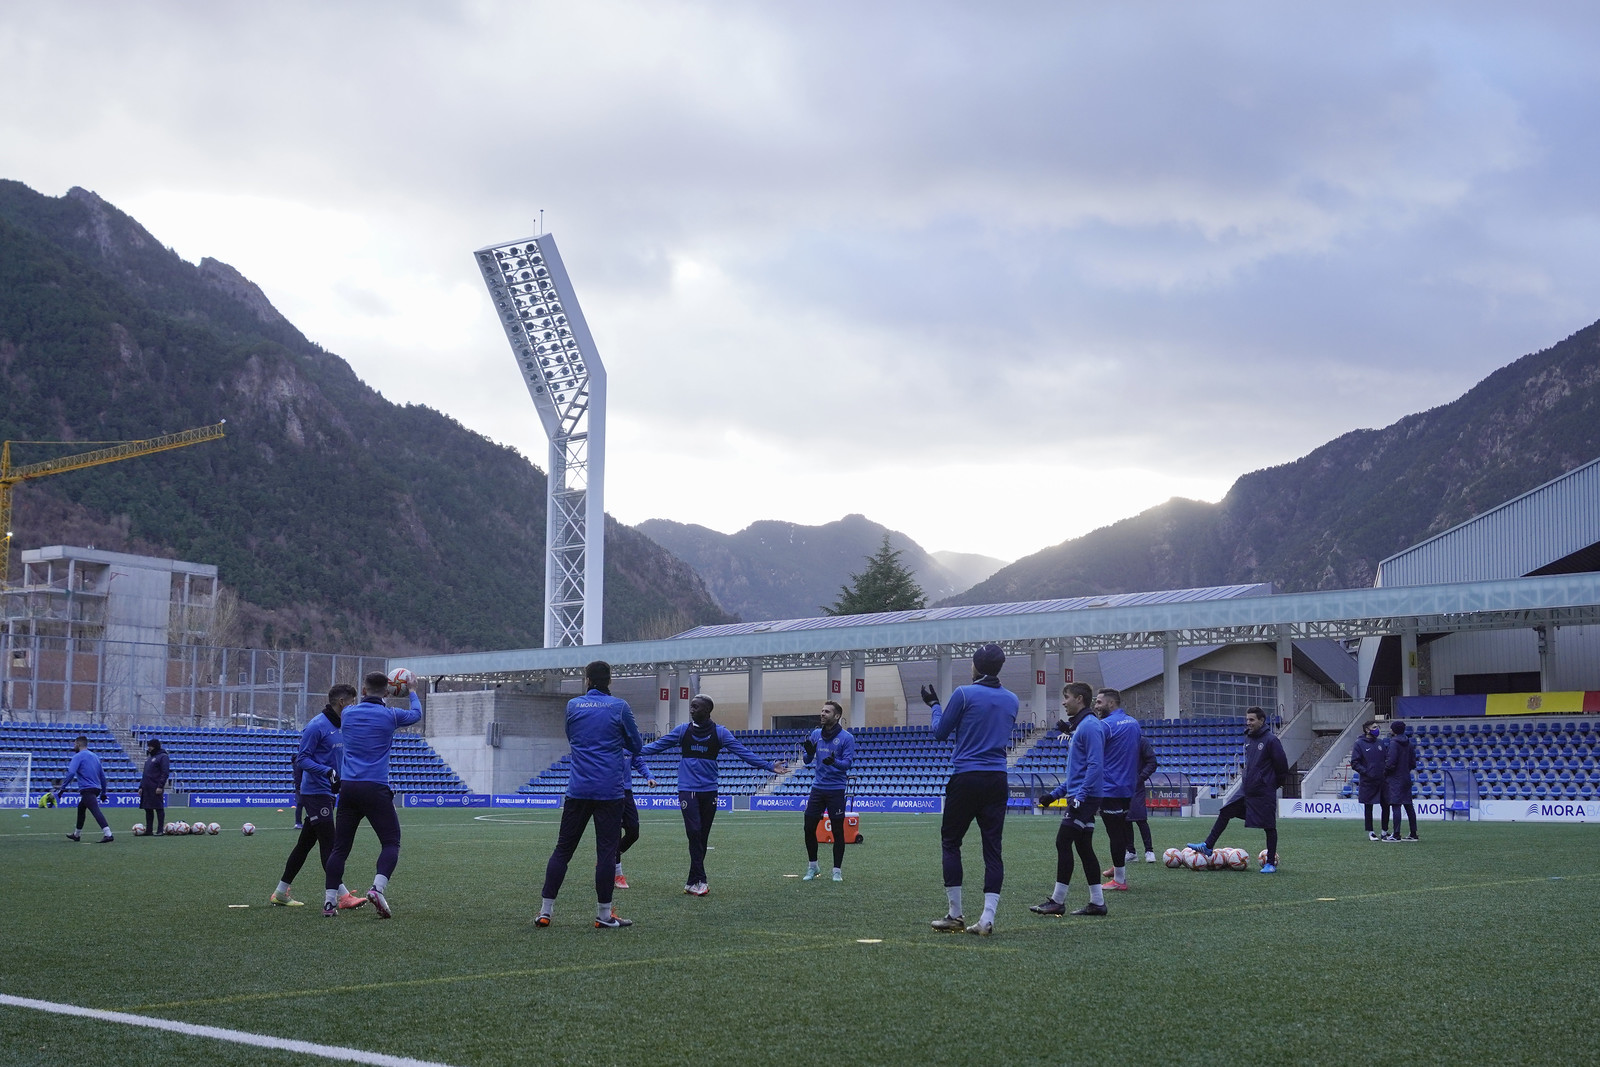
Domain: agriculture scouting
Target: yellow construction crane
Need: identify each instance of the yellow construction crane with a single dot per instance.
(10, 476)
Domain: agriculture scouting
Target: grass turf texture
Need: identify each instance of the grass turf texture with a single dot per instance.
(1476, 945)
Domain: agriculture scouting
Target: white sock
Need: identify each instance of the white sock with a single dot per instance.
(839, 871)
(283, 888)
(1096, 894)
(603, 911)
(1060, 894)
(619, 870)
(1120, 874)
(547, 906)
(954, 893)
(344, 890)
(380, 882)
(812, 866)
(329, 896)
(991, 901)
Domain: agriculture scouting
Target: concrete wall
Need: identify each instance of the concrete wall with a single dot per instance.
(801, 693)
(532, 735)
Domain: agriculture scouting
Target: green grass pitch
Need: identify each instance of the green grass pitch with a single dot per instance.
(1476, 946)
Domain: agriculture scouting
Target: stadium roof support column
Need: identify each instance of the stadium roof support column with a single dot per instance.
(664, 684)
(1286, 706)
(1547, 657)
(1408, 662)
(1169, 677)
(1041, 687)
(756, 719)
(858, 690)
(561, 367)
(946, 675)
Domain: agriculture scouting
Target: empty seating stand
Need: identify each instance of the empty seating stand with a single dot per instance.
(51, 746)
(1509, 759)
(224, 759)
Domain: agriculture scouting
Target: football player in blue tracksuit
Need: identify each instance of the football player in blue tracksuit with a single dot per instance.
(1084, 783)
(981, 717)
(602, 734)
(1397, 768)
(832, 748)
(1121, 779)
(1368, 759)
(84, 767)
(368, 730)
(316, 775)
(698, 741)
(630, 813)
(1266, 769)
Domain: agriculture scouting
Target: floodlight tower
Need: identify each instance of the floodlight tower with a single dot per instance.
(551, 342)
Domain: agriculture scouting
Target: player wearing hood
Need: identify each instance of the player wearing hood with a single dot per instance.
(1368, 759)
(698, 742)
(1266, 769)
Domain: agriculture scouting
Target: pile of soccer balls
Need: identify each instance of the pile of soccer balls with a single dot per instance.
(175, 829)
(1221, 859)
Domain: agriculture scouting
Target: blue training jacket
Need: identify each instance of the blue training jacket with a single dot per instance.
(368, 730)
(981, 716)
(1121, 754)
(602, 733)
(320, 756)
(85, 767)
(697, 770)
(1085, 762)
(842, 747)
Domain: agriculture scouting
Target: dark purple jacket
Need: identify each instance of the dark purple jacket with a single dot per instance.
(1147, 766)
(1397, 769)
(1370, 760)
(1266, 769)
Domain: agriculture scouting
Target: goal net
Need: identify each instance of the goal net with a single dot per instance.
(16, 773)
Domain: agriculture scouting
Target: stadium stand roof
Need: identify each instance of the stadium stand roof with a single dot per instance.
(1224, 615)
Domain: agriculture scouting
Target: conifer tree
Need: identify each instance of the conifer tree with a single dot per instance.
(885, 585)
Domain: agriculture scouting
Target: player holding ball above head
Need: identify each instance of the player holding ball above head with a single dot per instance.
(368, 728)
(1266, 769)
(602, 735)
(832, 748)
(698, 742)
(980, 716)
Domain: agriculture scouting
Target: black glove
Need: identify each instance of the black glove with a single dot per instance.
(930, 695)
(1044, 800)
(811, 748)
(828, 760)
(1063, 726)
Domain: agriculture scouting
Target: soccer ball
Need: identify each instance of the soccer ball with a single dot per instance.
(214, 828)
(1238, 859)
(1173, 857)
(198, 828)
(401, 679)
(166, 828)
(138, 829)
(248, 828)
(1263, 858)
(1219, 859)
(180, 827)
(1194, 860)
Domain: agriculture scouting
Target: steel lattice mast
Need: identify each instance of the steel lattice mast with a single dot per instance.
(551, 342)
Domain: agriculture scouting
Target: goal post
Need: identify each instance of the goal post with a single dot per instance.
(16, 778)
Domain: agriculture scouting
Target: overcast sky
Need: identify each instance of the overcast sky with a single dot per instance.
(993, 274)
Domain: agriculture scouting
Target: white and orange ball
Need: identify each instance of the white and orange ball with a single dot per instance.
(138, 829)
(1263, 858)
(248, 828)
(401, 679)
(1195, 860)
(213, 828)
(1173, 857)
(1238, 859)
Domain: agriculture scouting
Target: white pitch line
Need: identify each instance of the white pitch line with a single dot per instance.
(240, 1037)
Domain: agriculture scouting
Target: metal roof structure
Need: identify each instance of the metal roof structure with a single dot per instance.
(1543, 526)
(1150, 620)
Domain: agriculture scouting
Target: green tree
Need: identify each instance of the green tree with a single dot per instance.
(885, 585)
